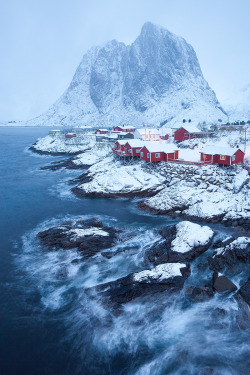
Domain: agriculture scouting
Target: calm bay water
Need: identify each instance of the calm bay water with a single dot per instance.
(49, 327)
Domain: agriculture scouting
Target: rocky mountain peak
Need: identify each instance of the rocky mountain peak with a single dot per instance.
(157, 78)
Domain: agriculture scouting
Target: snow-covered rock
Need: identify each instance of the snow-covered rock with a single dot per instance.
(88, 236)
(157, 79)
(110, 178)
(59, 145)
(190, 235)
(232, 253)
(180, 243)
(165, 277)
(205, 193)
(90, 157)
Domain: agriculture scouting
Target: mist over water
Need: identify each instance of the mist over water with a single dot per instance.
(50, 325)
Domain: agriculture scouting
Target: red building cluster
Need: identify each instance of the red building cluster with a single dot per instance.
(149, 151)
(189, 132)
(222, 155)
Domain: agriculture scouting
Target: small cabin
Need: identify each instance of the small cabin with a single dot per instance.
(119, 148)
(189, 132)
(222, 155)
(133, 147)
(123, 128)
(70, 135)
(159, 152)
(101, 131)
(123, 135)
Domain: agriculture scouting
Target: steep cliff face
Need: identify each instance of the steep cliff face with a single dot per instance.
(156, 79)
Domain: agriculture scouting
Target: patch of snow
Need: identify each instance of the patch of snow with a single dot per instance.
(161, 272)
(78, 232)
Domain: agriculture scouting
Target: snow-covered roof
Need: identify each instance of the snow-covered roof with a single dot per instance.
(191, 128)
(136, 142)
(160, 147)
(103, 130)
(125, 126)
(217, 150)
(122, 141)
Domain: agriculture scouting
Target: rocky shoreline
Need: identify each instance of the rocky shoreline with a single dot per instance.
(167, 264)
(51, 153)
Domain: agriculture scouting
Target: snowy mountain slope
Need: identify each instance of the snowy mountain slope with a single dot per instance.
(155, 79)
(238, 106)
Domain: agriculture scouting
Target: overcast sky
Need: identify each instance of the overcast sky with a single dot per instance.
(42, 43)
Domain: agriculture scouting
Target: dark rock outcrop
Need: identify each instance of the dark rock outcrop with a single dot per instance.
(198, 294)
(230, 254)
(162, 278)
(244, 291)
(68, 164)
(223, 284)
(88, 236)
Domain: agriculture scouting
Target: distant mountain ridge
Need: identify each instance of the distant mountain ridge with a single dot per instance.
(155, 80)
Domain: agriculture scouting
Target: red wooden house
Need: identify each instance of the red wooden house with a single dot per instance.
(101, 131)
(70, 135)
(222, 155)
(119, 148)
(124, 128)
(188, 132)
(154, 152)
(133, 147)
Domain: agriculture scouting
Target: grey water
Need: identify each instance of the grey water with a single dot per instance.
(48, 326)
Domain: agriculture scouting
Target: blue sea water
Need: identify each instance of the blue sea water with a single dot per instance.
(47, 325)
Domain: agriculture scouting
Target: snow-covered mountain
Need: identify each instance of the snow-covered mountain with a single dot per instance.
(155, 80)
(238, 105)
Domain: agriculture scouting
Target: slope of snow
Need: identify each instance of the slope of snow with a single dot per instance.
(110, 177)
(53, 144)
(161, 272)
(91, 157)
(238, 105)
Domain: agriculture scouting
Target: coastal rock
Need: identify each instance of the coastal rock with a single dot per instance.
(222, 284)
(181, 242)
(244, 291)
(165, 277)
(88, 236)
(243, 313)
(220, 201)
(234, 252)
(198, 294)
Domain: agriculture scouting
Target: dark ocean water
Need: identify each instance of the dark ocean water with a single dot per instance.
(49, 327)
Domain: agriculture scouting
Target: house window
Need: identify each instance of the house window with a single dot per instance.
(137, 150)
(141, 154)
(233, 158)
(222, 157)
(147, 155)
(157, 155)
(130, 151)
